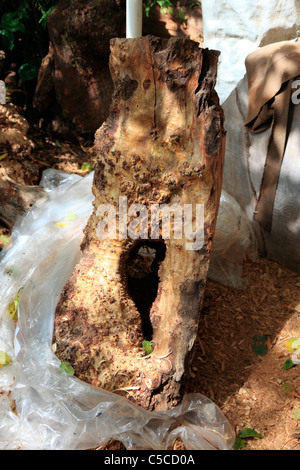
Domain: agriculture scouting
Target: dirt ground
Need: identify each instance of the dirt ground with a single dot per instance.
(253, 391)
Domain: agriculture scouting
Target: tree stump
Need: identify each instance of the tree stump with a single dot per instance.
(162, 146)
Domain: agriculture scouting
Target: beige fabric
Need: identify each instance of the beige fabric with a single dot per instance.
(268, 69)
(271, 71)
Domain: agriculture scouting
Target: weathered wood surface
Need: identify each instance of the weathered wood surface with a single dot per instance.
(163, 142)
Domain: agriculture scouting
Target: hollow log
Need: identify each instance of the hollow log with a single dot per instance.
(162, 146)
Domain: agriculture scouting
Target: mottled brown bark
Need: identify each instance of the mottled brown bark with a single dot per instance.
(162, 143)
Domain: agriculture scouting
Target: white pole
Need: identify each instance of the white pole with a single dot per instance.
(134, 18)
(2, 92)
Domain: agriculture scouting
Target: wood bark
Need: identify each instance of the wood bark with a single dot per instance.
(16, 199)
(163, 143)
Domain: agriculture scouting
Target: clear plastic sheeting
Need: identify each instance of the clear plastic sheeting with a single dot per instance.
(56, 411)
(234, 240)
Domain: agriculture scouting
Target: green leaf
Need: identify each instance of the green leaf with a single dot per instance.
(239, 444)
(29, 70)
(181, 15)
(5, 239)
(67, 368)
(248, 432)
(293, 345)
(4, 359)
(14, 305)
(8, 39)
(23, 10)
(148, 347)
(45, 15)
(11, 22)
(259, 346)
(289, 364)
(240, 440)
(288, 388)
(87, 167)
(165, 6)
(72, 216)
(13, 309)
(297, 414)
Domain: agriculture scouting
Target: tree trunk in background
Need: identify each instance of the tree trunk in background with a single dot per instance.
(163, 143)
(75, 74)
(74, 79)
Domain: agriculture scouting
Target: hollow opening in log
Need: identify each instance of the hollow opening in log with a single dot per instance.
(142, 268)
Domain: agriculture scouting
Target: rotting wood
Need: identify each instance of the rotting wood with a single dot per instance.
(163, 142)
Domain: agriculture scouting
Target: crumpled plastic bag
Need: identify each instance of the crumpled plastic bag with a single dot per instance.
(56, 411)
(234, 240)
